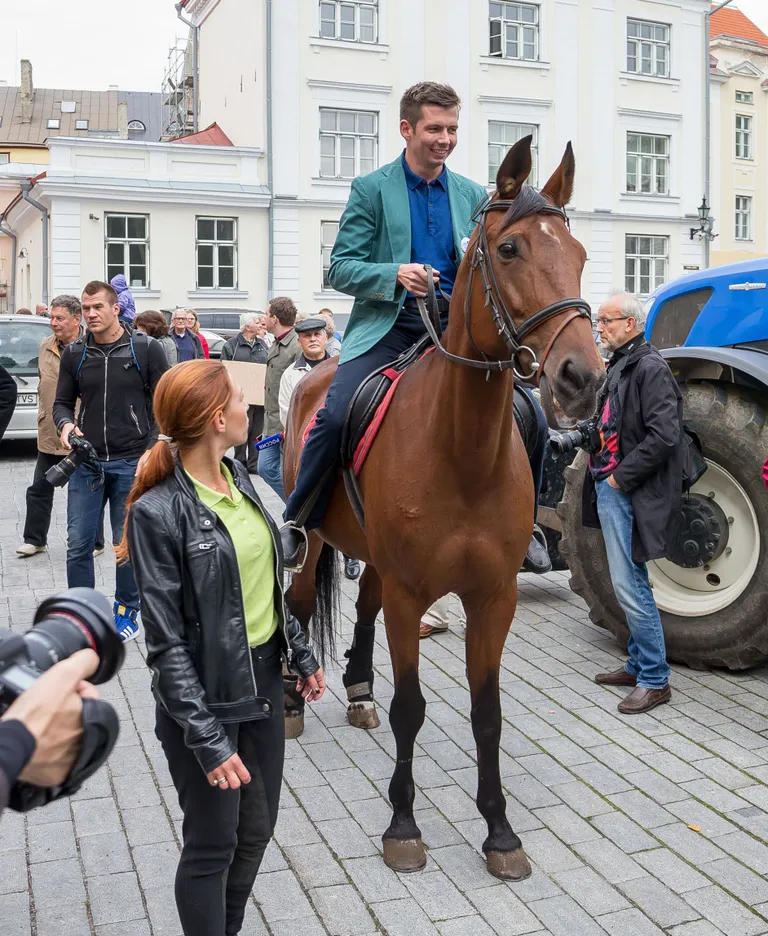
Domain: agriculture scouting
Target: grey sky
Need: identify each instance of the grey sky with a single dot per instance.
(91, 44)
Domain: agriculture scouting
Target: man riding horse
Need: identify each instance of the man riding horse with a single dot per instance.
(410, 214)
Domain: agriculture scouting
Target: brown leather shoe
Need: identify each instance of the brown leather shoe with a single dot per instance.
(643, 700)
(619, 677)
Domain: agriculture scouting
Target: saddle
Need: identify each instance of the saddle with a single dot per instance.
(369, 406)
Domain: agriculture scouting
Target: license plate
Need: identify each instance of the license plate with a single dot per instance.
(27, 399)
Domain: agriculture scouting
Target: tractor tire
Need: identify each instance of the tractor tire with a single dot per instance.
(715, 616)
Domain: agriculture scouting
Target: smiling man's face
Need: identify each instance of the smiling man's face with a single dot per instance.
(434, 137)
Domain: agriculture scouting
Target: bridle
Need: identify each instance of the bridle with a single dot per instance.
(513, 335)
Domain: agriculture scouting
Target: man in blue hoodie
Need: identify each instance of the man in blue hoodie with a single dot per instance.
(125, 299)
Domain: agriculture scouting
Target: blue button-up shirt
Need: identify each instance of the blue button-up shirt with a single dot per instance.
(431, 225)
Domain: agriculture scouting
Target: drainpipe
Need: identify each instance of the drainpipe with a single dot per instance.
(12, 296)
(270, 178)
(26, 185)
(195, 41)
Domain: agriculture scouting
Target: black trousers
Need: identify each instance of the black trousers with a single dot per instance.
(40, 501)
(226, 832)
(246, 454)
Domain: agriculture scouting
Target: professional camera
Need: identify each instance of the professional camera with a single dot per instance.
(82, 451)
(585, 436)
(80, 619)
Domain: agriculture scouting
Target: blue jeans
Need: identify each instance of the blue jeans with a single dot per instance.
(647, 651)
(84, 510)
(271, 468)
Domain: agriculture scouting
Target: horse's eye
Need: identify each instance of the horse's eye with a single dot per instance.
(507, 251)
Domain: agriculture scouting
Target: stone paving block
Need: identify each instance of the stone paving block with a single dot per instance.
(373, 816)
(504, 911)
(549, 853)
(629, 923)
(744, 884)
(530, 792)
(465, 926)
(320, 802)
(327, 755)
(642, 809)
(463, 863)
(582, 799)
(690, 845)
(105, 854)
(734, 753)
(146, 825)
(301, 771)
(562, 916)
(657, 787)
(695, 813)
(306, 926)
(437, 896)
(294, 828)
(714, 795)
(350, 784)
(667, 867)
(375, 764)
(403, 918)
(726, 913)
(617, 759)
(671, 767)
(657, 901)
(724, 773)
(52, 842)
(280, 897)
(58, 811)
(452, 802)
(600, 778)
(133, 928)
(314, 865)
(136, 791)
(744, 848)
(346, 838)
(624, 832)
(697, 928)
(591, 891)
(115, 898)
(14, 913)
(342, 910)
(609, 861)
(545, 769)
(566, 824)
(375, 880)
(565, 752)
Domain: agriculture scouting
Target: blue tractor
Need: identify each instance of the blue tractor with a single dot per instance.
(712, 590)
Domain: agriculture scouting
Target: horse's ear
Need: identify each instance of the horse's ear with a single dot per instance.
(560, 187)
(515, 169)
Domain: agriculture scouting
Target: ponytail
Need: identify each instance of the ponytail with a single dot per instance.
(157, 468)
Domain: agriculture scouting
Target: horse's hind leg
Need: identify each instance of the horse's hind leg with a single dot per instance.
(488, 624)
(403, 847)
(300, 600)
(358, 676)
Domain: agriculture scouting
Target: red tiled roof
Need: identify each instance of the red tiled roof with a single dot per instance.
(731, 22)
(211, 136)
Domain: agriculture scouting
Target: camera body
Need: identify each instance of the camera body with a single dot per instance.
(80, 619)
(585, 436)
(82, 451)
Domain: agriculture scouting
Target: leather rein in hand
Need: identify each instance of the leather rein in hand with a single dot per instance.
(512, 334)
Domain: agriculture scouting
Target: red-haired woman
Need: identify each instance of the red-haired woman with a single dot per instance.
(208, 565)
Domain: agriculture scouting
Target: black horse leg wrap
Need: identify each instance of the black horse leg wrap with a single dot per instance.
(360, 656)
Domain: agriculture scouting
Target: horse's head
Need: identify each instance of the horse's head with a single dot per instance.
(531, 270)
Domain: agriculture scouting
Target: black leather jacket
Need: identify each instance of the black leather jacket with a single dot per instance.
(192, 610)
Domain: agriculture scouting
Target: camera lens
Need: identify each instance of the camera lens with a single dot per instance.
(80, 619)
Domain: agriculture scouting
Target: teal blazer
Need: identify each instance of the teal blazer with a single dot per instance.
(375, 238)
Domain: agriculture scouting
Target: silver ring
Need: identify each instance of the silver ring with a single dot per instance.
(216, 782)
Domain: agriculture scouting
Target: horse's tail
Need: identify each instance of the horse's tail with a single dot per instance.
(327, 604)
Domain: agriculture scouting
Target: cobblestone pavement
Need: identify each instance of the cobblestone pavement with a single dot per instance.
(636, 826)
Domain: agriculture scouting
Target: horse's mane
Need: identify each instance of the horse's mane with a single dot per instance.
(529, 202)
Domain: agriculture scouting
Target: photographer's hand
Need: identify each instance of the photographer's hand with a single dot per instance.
(66, 430)
(612, 481)
(51, 710)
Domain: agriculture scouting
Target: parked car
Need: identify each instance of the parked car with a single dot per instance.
(215, 343)
(20, 337)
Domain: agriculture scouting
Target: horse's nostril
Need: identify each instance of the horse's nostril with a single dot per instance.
(575, 378)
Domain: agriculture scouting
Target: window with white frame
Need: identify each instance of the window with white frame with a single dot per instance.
(745, 97)
(743, 136)
(352, 20)
(328, 232)
(646, 263)
(502, 135)
(648, 163)
(216, 248)
(514, 30)
(349, 143)
(127, 247)
(743, 218)
(648, 48)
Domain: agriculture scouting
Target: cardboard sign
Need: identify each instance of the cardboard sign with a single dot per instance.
(251, 378)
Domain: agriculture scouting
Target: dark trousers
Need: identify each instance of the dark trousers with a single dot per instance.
(226, 832)
(40, 501)
(246, 454)
(538, 456)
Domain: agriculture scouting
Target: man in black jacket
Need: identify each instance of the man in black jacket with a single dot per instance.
(114, 375)
(633, 490)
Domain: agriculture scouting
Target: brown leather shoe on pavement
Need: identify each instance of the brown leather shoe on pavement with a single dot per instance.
(619, 677)
(643, 700)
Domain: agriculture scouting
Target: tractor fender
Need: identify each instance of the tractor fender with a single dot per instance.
(731, 365)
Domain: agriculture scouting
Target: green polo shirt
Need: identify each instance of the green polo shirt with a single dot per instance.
(255, 555)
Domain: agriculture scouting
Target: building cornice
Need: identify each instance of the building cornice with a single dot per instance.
(199, 10)
(655, 115)
(514, 101)
(171, 147)
(129, 190)
(349, 86)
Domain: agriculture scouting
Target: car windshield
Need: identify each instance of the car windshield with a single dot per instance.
(20, 346)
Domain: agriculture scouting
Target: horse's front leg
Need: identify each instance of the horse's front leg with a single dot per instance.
(488, 623)
(403, 847)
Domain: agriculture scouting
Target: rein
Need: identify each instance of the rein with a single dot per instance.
(512, 334)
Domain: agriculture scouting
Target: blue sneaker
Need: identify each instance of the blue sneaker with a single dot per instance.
(125, 622)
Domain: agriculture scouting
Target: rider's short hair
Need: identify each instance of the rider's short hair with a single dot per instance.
(426, 92)
(284, 310)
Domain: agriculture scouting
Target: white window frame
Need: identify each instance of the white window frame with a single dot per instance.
(512, 131)
(513, 24)
(743, 136)
(81, 124)
(215, 243)
(362, 165)
(745, 97)
(644, 165)
(340, 10)
(325, 252)
(635, 50)
(53, 123)
(743, 218)
(127, 242)
(645, 271)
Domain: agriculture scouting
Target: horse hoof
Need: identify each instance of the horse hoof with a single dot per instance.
(509, 866)
(363, 715)
(294, 725)
(405, 854)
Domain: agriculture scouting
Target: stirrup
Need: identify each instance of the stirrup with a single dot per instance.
(301, 552)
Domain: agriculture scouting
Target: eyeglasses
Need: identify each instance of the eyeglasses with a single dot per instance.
(602, 320)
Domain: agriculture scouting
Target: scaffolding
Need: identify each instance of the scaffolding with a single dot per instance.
(179, 91)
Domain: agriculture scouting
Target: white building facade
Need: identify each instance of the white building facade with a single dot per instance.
(621, 79)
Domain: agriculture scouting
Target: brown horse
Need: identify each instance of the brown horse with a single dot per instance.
(447, 487)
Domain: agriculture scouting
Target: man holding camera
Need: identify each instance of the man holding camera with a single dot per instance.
(113, 373)
(633, 490)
